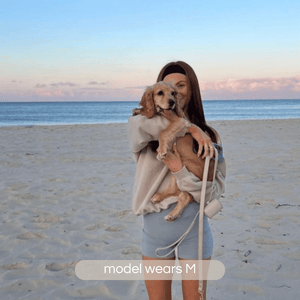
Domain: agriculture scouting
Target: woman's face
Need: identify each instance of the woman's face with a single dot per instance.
(182, 84)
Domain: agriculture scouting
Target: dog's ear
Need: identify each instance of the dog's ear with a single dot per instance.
(178, 109)
(147, 103)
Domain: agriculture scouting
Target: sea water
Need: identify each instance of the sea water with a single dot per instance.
(56, 113)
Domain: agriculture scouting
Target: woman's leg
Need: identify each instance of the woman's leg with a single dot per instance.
(190, 287)
(159, 289)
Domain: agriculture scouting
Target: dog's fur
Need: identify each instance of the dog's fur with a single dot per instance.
(162, 98)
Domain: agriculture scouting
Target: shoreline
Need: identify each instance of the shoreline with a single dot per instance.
(124, 123)
(88, 101)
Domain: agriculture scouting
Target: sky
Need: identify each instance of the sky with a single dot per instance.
(111, 50)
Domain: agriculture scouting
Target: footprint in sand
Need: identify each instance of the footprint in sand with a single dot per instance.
(263, 225)
(264, 241)
(131, 250)
(13, 165)
(91, 179)
(60, 266)
(121, 214)
(241, 216)
(29, 235)
(13, 155)
(105, 211)
(115, 228)
(15, 266)
(66, 160)
(43, 225)
(97, 226)
(57, 180)
(270, 217)
(18, 186)
(40, 219)
(123, 175)
(28, 196)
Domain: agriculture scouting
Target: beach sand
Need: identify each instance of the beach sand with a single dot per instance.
(65, 196)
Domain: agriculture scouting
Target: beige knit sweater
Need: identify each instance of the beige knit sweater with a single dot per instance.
(153, 175)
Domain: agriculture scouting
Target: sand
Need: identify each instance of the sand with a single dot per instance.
(65, 196)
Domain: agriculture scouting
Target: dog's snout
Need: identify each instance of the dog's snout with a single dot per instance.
(171, 102)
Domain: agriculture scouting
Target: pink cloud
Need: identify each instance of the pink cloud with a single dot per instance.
(253, 88)
(49, 93)
(256, 87)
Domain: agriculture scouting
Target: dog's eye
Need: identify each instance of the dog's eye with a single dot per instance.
(173, 93)
(160, 93)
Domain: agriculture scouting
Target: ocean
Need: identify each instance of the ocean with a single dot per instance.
(61, 113)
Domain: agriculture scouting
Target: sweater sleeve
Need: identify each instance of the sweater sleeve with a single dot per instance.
(143, 130)
(188, 182)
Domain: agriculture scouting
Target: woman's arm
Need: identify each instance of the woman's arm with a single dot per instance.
(202, 139)
(188, 182)
(143, 130)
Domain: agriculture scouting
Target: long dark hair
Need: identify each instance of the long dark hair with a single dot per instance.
(195, 112)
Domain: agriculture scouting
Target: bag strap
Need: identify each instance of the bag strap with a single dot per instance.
(201, 211)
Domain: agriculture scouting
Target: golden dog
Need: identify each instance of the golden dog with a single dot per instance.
(163, 99)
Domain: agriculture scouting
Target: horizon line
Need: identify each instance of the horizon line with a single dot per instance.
(67, 101)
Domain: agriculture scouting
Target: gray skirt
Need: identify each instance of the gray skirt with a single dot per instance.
(158, 233)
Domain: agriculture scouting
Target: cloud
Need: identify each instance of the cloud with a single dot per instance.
(40, 85)
(135, 87)
(96, 83)
(245, 85)
(105, 94)
(248, 88)
(64, 84)
(50, 93)
(92, 89)
(252, 88)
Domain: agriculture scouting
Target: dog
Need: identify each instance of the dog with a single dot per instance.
(163, 99)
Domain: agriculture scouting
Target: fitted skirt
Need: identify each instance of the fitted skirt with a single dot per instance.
(158, 233)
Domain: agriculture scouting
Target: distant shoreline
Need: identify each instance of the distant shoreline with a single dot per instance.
(116, 112)
(87, 101)
(124, 123)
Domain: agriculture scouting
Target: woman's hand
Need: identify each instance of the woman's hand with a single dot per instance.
(173, 160)
(203, 140)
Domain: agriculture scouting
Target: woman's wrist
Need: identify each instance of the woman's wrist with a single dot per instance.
(192, 128)
(177, 169)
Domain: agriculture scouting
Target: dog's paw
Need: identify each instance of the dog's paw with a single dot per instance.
(162, 151)
(156, 198)
(171, 218)
(161, 156)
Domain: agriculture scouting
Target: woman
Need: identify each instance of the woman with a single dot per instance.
(153, 175)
